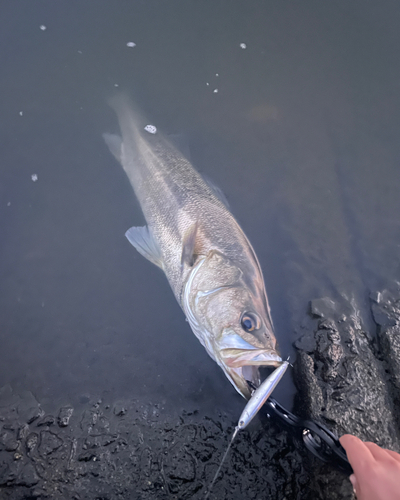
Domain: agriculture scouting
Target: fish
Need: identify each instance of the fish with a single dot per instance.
(191, 234)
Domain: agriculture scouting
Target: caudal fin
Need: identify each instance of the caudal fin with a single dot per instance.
(114, 142)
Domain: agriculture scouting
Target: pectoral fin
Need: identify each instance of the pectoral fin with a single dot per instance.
(143, 241)
(188, 246)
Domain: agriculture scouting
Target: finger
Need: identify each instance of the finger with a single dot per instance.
(393, 454)
(357, 452)
(354, 483)
(378, 452)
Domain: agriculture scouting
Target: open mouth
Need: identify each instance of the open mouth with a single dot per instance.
(236, 358)
(243, 366)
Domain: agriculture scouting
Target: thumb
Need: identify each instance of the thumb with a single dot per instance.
(354, 482)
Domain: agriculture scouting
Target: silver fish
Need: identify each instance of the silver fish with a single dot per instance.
(192, 236)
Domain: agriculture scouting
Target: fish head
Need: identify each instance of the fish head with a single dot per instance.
(229, 313)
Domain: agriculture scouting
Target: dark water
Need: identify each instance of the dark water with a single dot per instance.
(302, 137)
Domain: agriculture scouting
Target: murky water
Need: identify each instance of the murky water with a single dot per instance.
(300, 129)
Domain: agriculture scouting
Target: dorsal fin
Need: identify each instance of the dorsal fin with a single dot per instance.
(216, 190)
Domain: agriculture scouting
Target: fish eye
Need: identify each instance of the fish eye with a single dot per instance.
(250, 322)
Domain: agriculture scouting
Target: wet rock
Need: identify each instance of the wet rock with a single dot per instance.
(64, 416)
(342, 381)
(87, 456)
(389, 341)
(8, 441)
(31, 441)
(166, 457)
(311, 400)
(120, 409)
(359, 379)
(40, 493)
(49, 442)
(306, 343)
(8, 470)
(322, 308)
(181, 465)
(23, 431)
(47, 420)
(382, 317)
(99, 441)
(385, 309)
(11, 445)
(33, 414)
(28, 476)
(389, 346)
(28, 407)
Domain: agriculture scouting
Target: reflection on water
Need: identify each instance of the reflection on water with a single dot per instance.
(302, 136)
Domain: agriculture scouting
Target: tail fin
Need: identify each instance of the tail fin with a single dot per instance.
(114, 142)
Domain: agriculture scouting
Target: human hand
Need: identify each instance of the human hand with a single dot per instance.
(376, 470)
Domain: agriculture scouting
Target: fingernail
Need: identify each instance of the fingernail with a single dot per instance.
(353, 481)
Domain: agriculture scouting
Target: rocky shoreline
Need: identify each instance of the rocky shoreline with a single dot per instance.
(347, 378)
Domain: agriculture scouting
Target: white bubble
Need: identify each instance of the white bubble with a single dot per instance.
(215, 91)
(131, 44)
(116, 85)
(9, 204)
(216, 74)
(21, 113)
(34, 177)
(151, 129)
(207, 83)
(43, 27)
(243, 46)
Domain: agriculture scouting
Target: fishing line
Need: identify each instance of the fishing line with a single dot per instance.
(221, 464)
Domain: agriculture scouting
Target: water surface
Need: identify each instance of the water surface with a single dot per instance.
(300, 129)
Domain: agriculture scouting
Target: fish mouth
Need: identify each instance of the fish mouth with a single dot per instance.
(236, 358)
(242, 367)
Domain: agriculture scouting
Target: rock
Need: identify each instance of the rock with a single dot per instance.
(343, 383)
(23, 431)
(49, 442)
(47, 420)
(28, 476)
(33, 414)
(11, 445)
(8, 441)
(64, 416)
(28, 407)
(8, 471)
(31, 441)
(181, 466)
(385, 309)
(87, 456)
(322, 308)
(311, 400)
(120, 409)
(389, 342)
